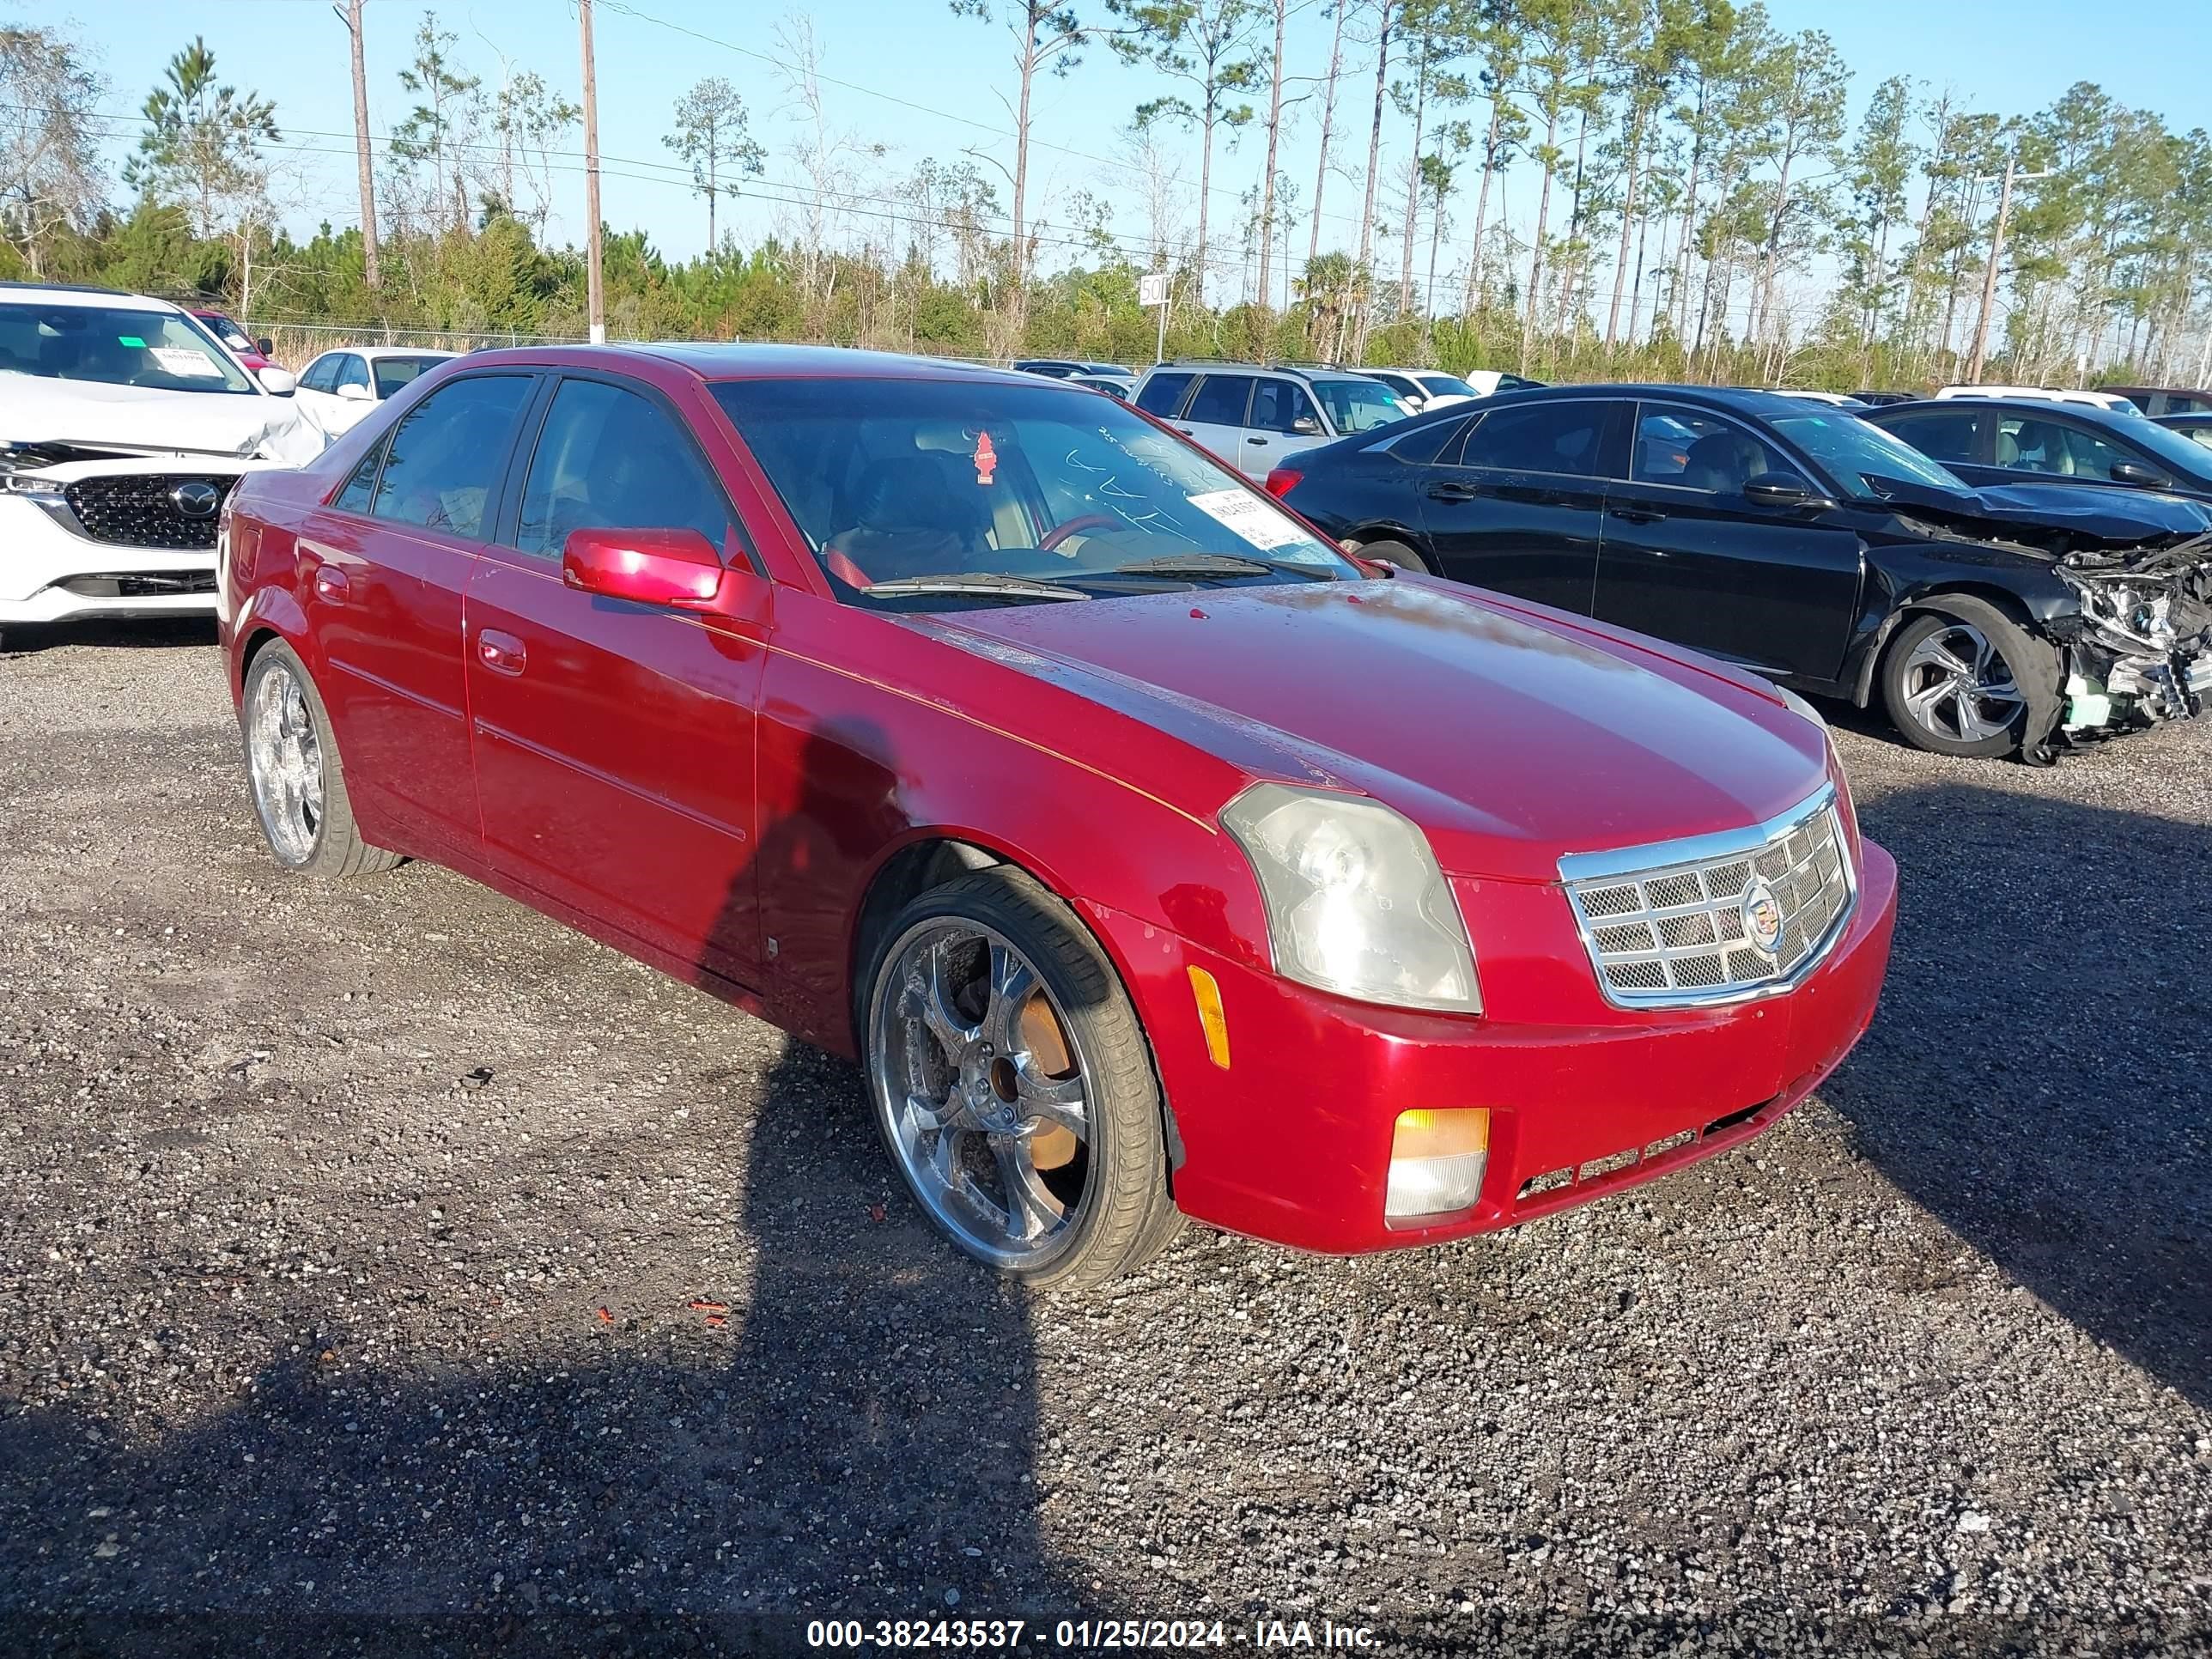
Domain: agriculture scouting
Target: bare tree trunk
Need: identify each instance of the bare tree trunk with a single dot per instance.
(1414, 181)
(1021, 288)
(1365, 271)
(1204, 195)
(1267, 184)
(1327, 122)
(1536, 245)
(372, 269)
(1627, 214)
(1680, 300)
(1481, 211)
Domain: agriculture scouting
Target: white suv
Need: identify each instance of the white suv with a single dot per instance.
(1252, 417)
(123, 426)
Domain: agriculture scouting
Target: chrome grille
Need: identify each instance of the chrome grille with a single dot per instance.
(1665, 926)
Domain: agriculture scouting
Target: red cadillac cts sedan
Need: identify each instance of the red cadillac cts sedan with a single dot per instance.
(1153, 858)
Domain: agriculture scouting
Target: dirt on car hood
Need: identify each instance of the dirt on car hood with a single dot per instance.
(36, 409)
(1510, 733)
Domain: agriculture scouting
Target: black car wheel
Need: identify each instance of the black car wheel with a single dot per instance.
(1964, 680)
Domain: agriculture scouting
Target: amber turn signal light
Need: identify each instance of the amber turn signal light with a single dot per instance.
(1207, 992)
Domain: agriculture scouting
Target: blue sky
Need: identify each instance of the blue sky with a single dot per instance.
(924, 84)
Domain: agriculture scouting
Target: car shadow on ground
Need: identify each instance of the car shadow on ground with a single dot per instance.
(24, 640)
(861, 1439)
(2055, 1119)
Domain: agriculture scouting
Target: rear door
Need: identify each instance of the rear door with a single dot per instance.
(1689, 558)
(1520, 505)
(1215, 416)
(614, 740)
(388, 561)
(1284, 421)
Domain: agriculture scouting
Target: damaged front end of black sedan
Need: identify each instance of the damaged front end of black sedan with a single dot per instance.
(2139, 651)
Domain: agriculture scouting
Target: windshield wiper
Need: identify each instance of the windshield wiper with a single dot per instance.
(976, 581)
(1200, 565)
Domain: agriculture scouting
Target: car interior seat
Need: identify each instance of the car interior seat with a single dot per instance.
(907, 522)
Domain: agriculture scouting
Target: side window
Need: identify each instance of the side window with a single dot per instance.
(607, 459)
(320, 372)
(1555, 437)
(2029, 445)
(1942, 434)
(1277, 406)
(1424, 446)
(446, 454)
(1163, 394)
(1220, 400)
(1675, 444)
(354, 498)
(352, 372)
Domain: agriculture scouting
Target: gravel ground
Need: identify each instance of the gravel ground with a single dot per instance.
(388, 1252)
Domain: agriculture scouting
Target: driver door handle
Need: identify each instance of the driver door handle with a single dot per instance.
(1637, 514)
(503, 653)
(1453, 492)
(1256, 441)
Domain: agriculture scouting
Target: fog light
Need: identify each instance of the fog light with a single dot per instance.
(1436, 1159)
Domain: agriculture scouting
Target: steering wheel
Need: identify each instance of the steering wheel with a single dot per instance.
(1061, 533)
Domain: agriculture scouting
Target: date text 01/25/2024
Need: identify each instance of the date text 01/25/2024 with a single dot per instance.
(987, 1635)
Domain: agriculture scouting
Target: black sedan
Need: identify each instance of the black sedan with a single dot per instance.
(1795, 540)
(2026, 441)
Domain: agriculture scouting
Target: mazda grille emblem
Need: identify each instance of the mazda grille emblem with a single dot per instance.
(195, 498)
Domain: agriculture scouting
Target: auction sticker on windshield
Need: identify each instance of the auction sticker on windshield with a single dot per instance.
(1248, 516)
(180, 359)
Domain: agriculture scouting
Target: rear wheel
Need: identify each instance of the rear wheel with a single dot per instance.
(298, 782)
(1012, 1085)
(1397, 553)
(1961, 681)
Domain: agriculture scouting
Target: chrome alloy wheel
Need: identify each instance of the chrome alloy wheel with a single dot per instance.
(1958, 685)
(981, 1089)
(284, 756)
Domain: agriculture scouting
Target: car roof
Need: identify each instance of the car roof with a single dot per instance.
(2041, 408)
(392, 351)
(1744, 400)
(74, 293)
(713, 360)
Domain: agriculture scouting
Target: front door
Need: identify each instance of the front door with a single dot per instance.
(388, 561)
(614, 741)
(1689, 558)
(1520, 507)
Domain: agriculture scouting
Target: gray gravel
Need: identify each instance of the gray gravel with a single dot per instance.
(389, 1249)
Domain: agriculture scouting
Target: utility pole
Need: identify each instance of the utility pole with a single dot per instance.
(351, 18)
(594, 278)
(2012, 176)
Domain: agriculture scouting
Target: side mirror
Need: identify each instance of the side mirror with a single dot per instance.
(2134, 472)
(265, 346)
(353, 393)
(677, 568)
(278, 382)
(1305, 426)
(1779, 489)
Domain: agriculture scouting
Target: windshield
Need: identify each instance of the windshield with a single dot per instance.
(1445, 386)
(160, 350)
(1861, 457)
(228, 331)
(392, 372)
(928, 482)
(2170, 446)
(1359, 405)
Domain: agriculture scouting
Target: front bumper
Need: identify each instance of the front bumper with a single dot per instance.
(48, 574)
(1292, 1142)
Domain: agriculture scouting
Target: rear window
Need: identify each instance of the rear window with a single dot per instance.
(1221, 400)
(1162, 393)
(392, 372)
(1359, 405)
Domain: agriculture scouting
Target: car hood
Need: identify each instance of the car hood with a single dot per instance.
(1512, 734)
(35, 409)
(2103, 510)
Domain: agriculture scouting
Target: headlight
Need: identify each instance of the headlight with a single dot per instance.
(1356, 903)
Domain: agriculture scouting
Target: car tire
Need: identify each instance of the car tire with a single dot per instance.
(1967, 680)
(958, 1061)
(294, 773)
(1397, 553)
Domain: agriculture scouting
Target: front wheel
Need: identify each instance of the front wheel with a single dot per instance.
(1397, 553)
(298, 782)
(1012, 1085)
(1962, 682)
